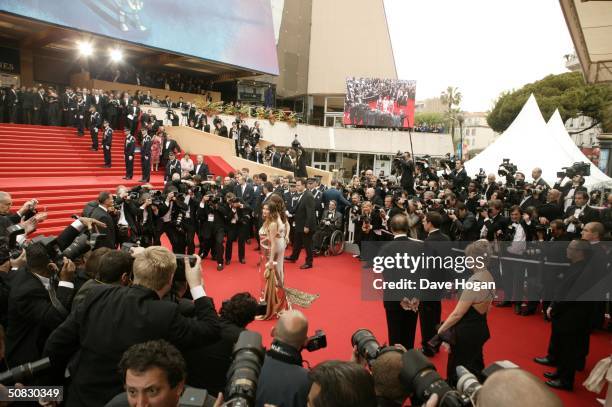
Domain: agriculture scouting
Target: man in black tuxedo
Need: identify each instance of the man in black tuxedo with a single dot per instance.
(430, 311)
(168, 145)
(200, 168)
(494, 222)
(103, 213)
(129, 150)
(551, 210)
(95, 121)
(570, 319)
(40, 106)
(407, 179)
(107, 142)
(27, 98)
(401, 315)
(459, 176)
(134, 314)
(538, 181)
(173, 166)
(132, 116)
(305, 224)
(12, 101)
(145, 158)
(37, 304)
(579, 214)
(244, 191)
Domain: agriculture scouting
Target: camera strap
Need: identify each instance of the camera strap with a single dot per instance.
(285, 353)
(55, 302)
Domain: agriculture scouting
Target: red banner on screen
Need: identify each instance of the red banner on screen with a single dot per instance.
(376, 102)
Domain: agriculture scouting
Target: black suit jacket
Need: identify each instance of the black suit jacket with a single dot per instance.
(107, 323)
(110, 240)
(249, 194)
(31, 317)
(202, 170)
(400, 244)
(173, 146)
(305, 213)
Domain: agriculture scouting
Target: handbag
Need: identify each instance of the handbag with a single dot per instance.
(449, 336)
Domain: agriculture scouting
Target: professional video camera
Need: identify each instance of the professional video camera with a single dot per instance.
(422, 162)
(578, 168)
(507, 169)
(448, 160)
(368, 347)
(24, 373)
(481, 177)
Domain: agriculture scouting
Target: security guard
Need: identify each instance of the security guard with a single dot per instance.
(107, 140)
(128, 151)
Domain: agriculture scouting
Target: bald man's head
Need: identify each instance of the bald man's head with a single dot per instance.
(516, 387)
(292, 329)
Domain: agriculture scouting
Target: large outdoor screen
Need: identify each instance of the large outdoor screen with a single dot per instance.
(236, 32)
(376, 102)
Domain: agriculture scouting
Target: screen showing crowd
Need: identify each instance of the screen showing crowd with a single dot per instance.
(376, 102)
(203, 26)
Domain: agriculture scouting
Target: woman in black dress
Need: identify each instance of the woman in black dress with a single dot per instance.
(468, 321)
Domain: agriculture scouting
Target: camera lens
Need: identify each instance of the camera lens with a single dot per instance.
(367, 345)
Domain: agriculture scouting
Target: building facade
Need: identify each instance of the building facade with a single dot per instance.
(477, 135)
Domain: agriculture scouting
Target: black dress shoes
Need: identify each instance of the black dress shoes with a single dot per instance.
(242, 261)
(559, 384)
(289, 259)
(305, 266)
(551, 375)
(546, 361)
(227, 262)
(219, 266)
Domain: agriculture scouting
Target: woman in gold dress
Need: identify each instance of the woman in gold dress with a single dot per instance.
(274, 236)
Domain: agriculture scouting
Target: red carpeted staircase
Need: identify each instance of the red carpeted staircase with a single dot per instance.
(55, 166)
(45, 151)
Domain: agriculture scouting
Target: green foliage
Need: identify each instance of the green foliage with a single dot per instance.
(566, 92)
(429, 119)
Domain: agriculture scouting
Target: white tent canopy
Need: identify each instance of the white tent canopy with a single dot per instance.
(529, 142)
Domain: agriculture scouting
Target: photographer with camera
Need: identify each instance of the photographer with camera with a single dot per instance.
(126, 210)
(579, 214)
(39, 301)
(212, 215)
(171, 213)
(135, 314)
(208, 364)
(237, 227)
(464, 227)
(283, 381)
(106, 213)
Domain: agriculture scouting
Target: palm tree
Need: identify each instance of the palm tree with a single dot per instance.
(451, 97)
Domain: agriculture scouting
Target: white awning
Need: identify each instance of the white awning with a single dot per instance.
(590, 26)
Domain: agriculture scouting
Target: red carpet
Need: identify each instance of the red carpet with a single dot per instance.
(340, 311)
(55, 166)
